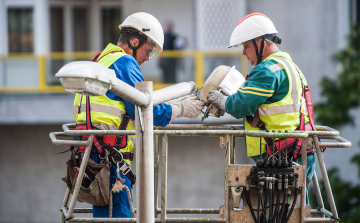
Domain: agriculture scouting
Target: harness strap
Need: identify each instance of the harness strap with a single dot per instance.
(127, 172)
(121, 140)
(89, 126)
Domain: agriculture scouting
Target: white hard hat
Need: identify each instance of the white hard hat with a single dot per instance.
(148, 25)
(250, 27)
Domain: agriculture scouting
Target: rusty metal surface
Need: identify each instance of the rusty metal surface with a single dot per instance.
(236, 174)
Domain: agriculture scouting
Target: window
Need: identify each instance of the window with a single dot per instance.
(111, 18)
(57, 29)
(20, 30)
(80, 16)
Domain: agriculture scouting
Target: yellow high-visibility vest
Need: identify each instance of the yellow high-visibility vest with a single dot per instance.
(284, 114)
(105, 113)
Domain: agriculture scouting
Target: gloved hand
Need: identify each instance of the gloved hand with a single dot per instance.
(180, 99)
(217, 99)
(190, 107)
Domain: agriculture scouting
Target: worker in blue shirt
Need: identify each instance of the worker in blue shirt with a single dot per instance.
(271, 98)
(141, 38)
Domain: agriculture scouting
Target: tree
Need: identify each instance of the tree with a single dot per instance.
(341, 95)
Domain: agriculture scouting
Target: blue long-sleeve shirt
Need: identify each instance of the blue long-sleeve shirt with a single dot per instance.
(127, 70)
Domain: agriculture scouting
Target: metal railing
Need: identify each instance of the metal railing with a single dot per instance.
(44, 87)
(227, 136)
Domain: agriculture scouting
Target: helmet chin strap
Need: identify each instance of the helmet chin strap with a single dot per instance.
(259, 55)
(142, 40)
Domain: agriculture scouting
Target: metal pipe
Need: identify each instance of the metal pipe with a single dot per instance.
(303, 191)
(232, 149)
(156, 173)
(56, 141)
(172, 92)
(199, 127)
(325, 178)
(79, 178)
(66, 198)
(190, 211)
(227, 162)
(168, 211)
(342, 143)
(318, 192)
(321, 220)
(145, 159)
(129, 93)
(171, 220)
(164, 177)
(324, 134)
(211, 132)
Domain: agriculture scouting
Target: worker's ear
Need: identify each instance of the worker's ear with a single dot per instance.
(134, 42)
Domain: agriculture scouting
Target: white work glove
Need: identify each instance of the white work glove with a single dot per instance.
(191, 107)
(217, 99)
(180, 99)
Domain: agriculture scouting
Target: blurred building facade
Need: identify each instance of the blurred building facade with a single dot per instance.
(38, 36)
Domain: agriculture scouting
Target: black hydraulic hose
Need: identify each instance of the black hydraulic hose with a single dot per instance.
(265, 202)
(295, 198)
(247, 197)
(284, 200)
(271, 202)
(258, 214)
(287, 205)
(276, 213)
(261, 188)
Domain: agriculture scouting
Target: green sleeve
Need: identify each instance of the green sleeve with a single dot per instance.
(260, 86)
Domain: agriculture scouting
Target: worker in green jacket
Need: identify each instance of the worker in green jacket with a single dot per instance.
(272, 93)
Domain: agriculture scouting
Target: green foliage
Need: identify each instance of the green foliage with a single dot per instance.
(342, 93)
(346, 195)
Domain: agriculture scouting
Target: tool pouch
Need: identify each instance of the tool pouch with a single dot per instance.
(97, 193)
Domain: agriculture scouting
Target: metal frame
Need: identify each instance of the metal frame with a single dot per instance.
(227, 134)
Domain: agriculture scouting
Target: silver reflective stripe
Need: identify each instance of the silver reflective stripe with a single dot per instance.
(76, 109)
(132, 122)
(275, 67)
(281, 109)
(103, 108)
(294, 93)
(102, 126)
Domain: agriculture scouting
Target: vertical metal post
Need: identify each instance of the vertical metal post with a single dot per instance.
(227, 162)
(84, 162)
(164, 177)
(325, 177)
(232, 149)
(304, 165)
(318, 193)
(66, 197)
(156, 173)
(145, 158)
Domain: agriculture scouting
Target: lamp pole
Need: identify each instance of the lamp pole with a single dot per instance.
(145, 157)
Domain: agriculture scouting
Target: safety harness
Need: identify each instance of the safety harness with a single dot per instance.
(272, 38)
(291, 145)
(104, 142)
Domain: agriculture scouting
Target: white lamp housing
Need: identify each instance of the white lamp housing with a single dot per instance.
(86, 77)
(232, 81)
